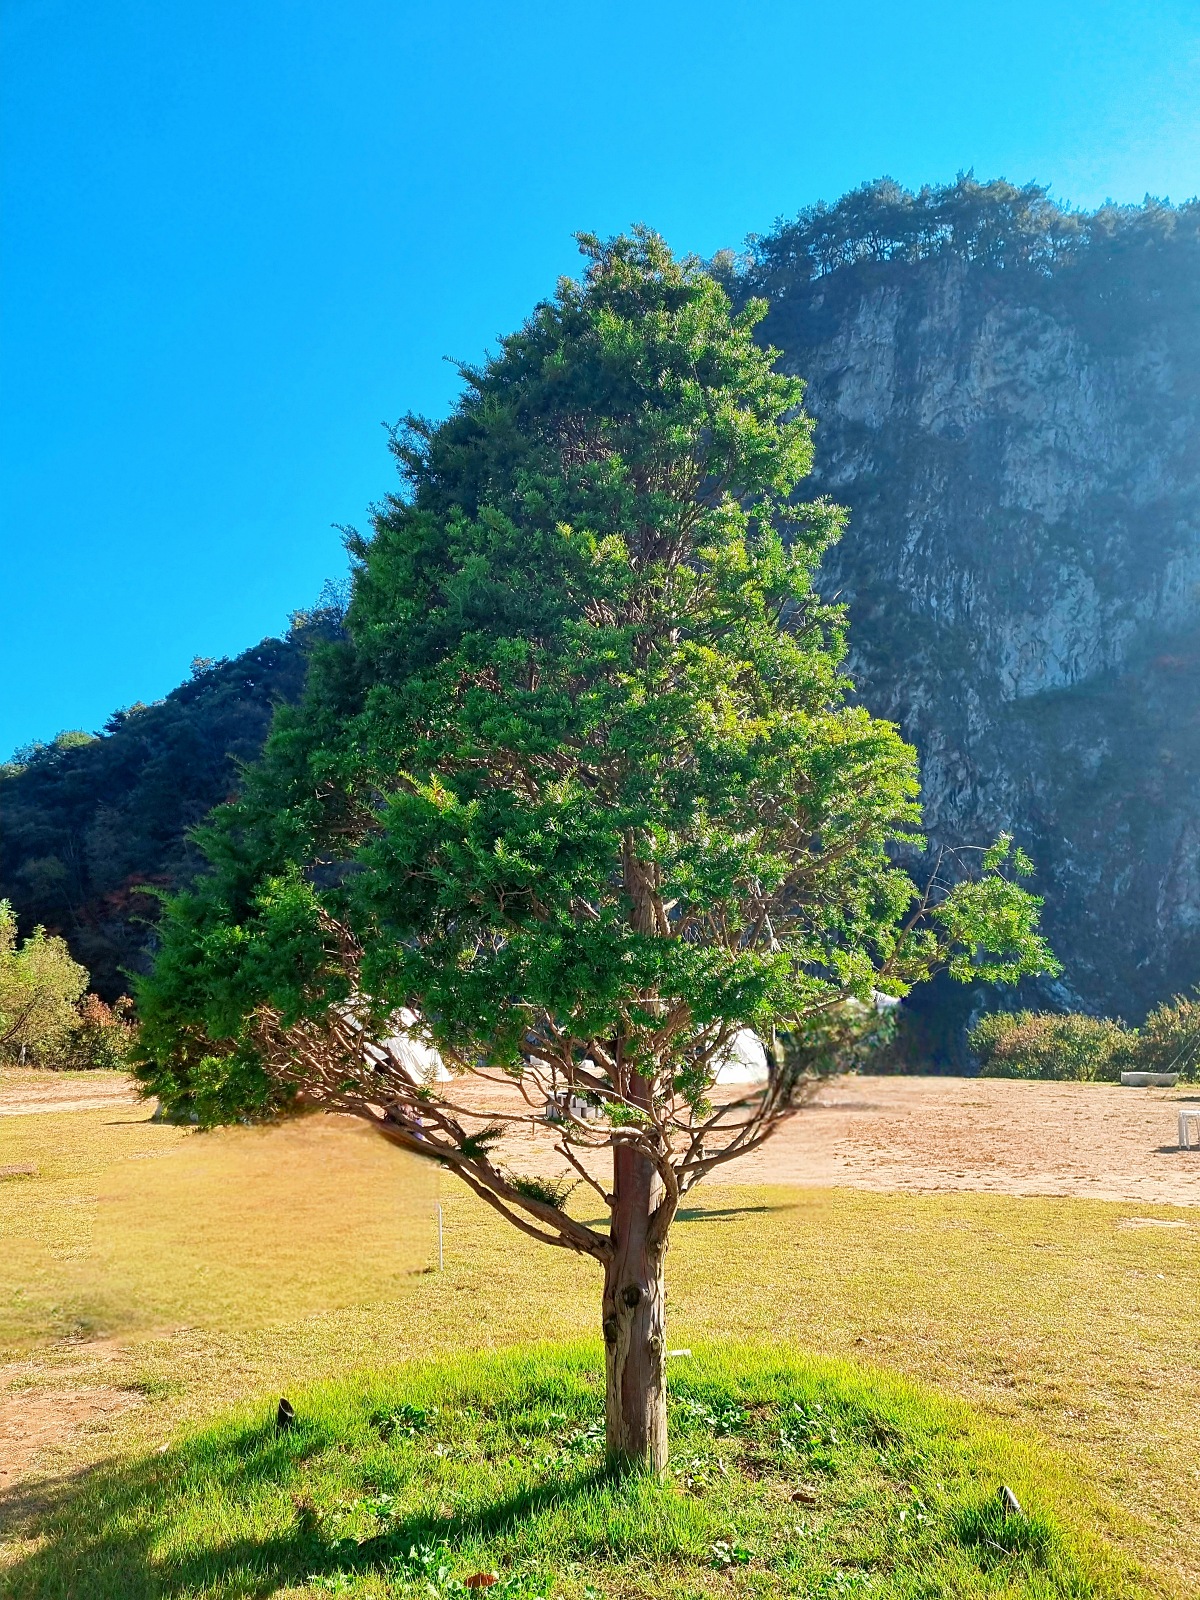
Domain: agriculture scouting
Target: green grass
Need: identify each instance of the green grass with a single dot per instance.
(225, 1276)
(789, 1476)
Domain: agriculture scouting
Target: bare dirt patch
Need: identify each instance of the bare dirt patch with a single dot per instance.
(1093, 1141)
(917, 1135)
(930, 1135)
(24, 1094)
(32, 1420)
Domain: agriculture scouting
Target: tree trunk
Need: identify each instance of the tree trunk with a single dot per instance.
(634, 1322)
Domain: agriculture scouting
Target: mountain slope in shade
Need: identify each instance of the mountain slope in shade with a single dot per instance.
(88, 819)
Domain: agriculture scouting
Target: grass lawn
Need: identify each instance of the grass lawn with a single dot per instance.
(128, 1224)
(789, 1477)
(1074, 1325)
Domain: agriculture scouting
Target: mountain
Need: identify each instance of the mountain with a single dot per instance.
(88, 819)
(1008, 400)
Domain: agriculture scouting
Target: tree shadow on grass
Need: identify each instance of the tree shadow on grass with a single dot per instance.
(119, 1531)
(703, 1214)
(723, 1213)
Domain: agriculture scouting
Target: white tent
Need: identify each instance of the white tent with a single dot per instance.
(744, 1061)
(420, 1060)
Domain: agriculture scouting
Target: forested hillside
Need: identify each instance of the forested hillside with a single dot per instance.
(88, 818)
(1008, 400)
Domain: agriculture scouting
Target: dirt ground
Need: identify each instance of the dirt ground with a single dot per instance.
(32, 1421)
(1089, 1140)
(25, 1093)
(928, 1135)
(916, 1135)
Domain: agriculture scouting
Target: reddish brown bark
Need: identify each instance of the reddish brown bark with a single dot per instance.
(634, 1320)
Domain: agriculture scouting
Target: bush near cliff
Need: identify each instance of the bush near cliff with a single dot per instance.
(1169, 1040)
(1076, 1048)
(850, 1037)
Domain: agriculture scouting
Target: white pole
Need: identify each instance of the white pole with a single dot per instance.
(441, 1257)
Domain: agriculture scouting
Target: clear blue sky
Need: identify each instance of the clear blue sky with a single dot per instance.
(238, 235)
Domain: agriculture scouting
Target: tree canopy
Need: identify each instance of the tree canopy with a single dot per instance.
(585, 765)
(580, 796)
(997, 224)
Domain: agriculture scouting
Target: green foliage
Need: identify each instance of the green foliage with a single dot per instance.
(1169, 1039)
(39, 987)
(86, 821)
(1000, 1534)
(1028, 1044)
(999, 226)
(792, 1477)
(45, 1017)
(403, 1421)
(550, 1191)
(852, 1036)
(585, 764)
(1032, 1044)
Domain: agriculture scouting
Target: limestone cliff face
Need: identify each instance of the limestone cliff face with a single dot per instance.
(1020, 453)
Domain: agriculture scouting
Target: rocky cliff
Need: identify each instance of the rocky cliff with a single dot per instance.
(1008, 401)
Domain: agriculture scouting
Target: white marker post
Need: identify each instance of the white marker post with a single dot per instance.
(441, 1257)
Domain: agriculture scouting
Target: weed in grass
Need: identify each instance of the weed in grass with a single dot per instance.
(1000, 1534)
(728, 1553)
(437, 1509)
(403, 1421)
(720, 1418)
(587, 1439)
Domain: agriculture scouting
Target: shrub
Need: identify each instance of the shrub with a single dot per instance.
(39, 987)
(1169, 1041)
(1070, 1047)
(850, 1037)
(101, 1038)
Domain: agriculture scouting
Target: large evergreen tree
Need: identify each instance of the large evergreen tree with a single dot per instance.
(581, 790)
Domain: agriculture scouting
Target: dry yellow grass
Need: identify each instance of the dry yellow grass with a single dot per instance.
(1078, 1320)
(129, 1224)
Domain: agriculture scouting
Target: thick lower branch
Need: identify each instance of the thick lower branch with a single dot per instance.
(501, 1196)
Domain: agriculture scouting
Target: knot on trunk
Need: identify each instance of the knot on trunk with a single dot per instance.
(631, 1294)
(610, 1330)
